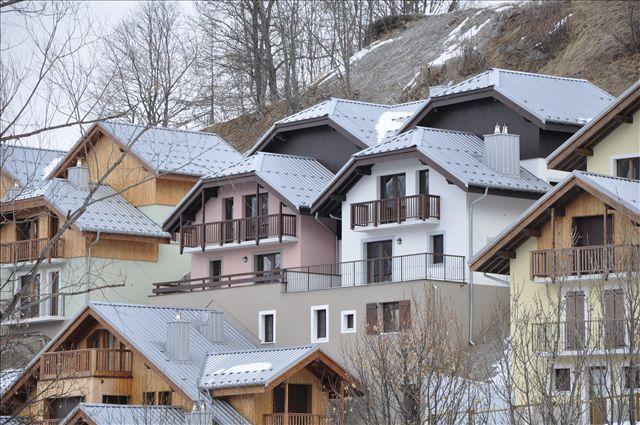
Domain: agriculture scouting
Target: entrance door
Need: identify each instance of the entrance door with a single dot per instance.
(597, 394)
(392, 209)
(379, 261)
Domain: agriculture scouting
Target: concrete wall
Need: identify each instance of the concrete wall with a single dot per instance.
(293, 310)
(157, 213)
(623, 142)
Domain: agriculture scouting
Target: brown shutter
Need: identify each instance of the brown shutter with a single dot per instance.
(574, 331)
(372, 318)
(614, 318)
(405, 314)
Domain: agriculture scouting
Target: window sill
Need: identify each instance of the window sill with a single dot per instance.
(319, 340)
(348, 331)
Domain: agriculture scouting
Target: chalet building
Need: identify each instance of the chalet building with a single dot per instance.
(127, 363)
(580, 241)
(116, 249)
(543, 110)
(23, 167)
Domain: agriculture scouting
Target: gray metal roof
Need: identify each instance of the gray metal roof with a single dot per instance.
(549, 98)
(370, 123)
(145, 327)
(461, 154)
(625, 191)
(298, 179)
(251, 367)
(29, 166)
(8, 377)
(109, 212)
(118, 414)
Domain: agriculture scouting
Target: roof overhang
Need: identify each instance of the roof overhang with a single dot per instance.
(573, 153)
(495, 257)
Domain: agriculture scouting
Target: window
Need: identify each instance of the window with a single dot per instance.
(411, 404)
(320, 323)
(348, 321)
(115, 399)
(392, 186)
(628, 168)
(54, 279)
(590, 231)
(437, 246)
(393, 210)
(215, 270)
(149, 399)
(391, 317)
(562, 379)
(424, 182)
(164, 398)
(379, 261)
(628, 382)
(29, 296)
(228, 216)
(251, 208)
(267, 262)
(267, 326)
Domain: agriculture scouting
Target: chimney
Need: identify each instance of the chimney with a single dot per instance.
(78, 176)
(178, 339)
(212, 326)
(502, 151)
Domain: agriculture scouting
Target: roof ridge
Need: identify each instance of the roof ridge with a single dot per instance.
(34, 148)
(156, 127)
(446, 130)
(286, 155)
(150, 306)
(591, 173)
(535, 74)
(259, 350)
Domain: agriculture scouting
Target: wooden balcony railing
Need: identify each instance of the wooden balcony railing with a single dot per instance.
(102, 362)
(217, 282)
(395, 210)
(239, 230)
(29, 250)
(402, 268)
(579, 335)
(47, 422)
(297, 419)
(584, 260)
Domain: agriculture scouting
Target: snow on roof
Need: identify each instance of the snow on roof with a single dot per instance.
(251, 367)
(119, 414)
(299, 179)
(108, 212)
(28, 165)
(461, 154)
(550, 98)
(8, 377)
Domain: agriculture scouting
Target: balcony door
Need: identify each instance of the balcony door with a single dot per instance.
(266, 264)
(590, 232)
(111, 358)
(299, 398)
(228, 220)
(256, 210)
(391, 187)
(379, 262)
(598, 394)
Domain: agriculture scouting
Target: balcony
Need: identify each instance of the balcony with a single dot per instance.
(587, 260)
(579, 335)
(217, 282)
(395, 210)
(91, 362)
(403, 268)
(298, 419)
(238, 231)
(29, 250)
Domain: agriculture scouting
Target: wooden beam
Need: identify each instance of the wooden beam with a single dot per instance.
(363, 170)
(506, 254)
(584, 151)
(622, 118)
(338, 197)
(559, 212)
(286, 401)
(531, 232)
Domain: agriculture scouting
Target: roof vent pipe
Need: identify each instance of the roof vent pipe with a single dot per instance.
(78, 176)
(178, 339)
(212, 326)
(502, 151)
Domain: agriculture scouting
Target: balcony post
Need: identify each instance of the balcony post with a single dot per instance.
(280, 223)
(181, 235)
(204, 226)
(375, 205)
(286, 402)
(258, 213)
(398, 210)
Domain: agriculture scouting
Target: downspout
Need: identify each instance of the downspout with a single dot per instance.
(471, 205)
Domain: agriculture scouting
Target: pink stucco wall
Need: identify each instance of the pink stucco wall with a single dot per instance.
(315, 244)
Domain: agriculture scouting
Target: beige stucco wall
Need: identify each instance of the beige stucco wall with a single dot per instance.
(623, 142)
(293, 310)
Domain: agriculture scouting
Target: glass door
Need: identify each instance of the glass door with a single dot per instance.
(379, 261)
(391, 208)
(597, 394)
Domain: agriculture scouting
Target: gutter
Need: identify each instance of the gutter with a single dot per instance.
(471, 205)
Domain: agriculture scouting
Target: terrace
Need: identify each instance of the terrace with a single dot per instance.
(91, 362)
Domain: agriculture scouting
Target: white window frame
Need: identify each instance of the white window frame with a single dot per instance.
(261, 327)
(343, 321)
(49, 289)
(314, 327)
(613, 161)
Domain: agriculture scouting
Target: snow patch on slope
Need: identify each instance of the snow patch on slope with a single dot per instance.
(453, 43)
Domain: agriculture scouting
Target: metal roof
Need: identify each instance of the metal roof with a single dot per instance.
(251, 367)
(145, 327)
(298, 179)
(8, 377)
(108, 212)
(370, 123)
(29, 166)
(551, 99)
(461, 154)
(118, 414)
(625, 191)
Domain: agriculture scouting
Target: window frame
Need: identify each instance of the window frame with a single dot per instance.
(165, 398)
(398, 326)
(343, 321)
(436, 258)
(146, 395)
(209, 262)
(314, 323)
(554, 378)
(630, 162)
(262, 326)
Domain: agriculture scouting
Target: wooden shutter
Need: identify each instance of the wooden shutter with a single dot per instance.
(613, 318)
(372, 318)
(405, 314)
(574, 327)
